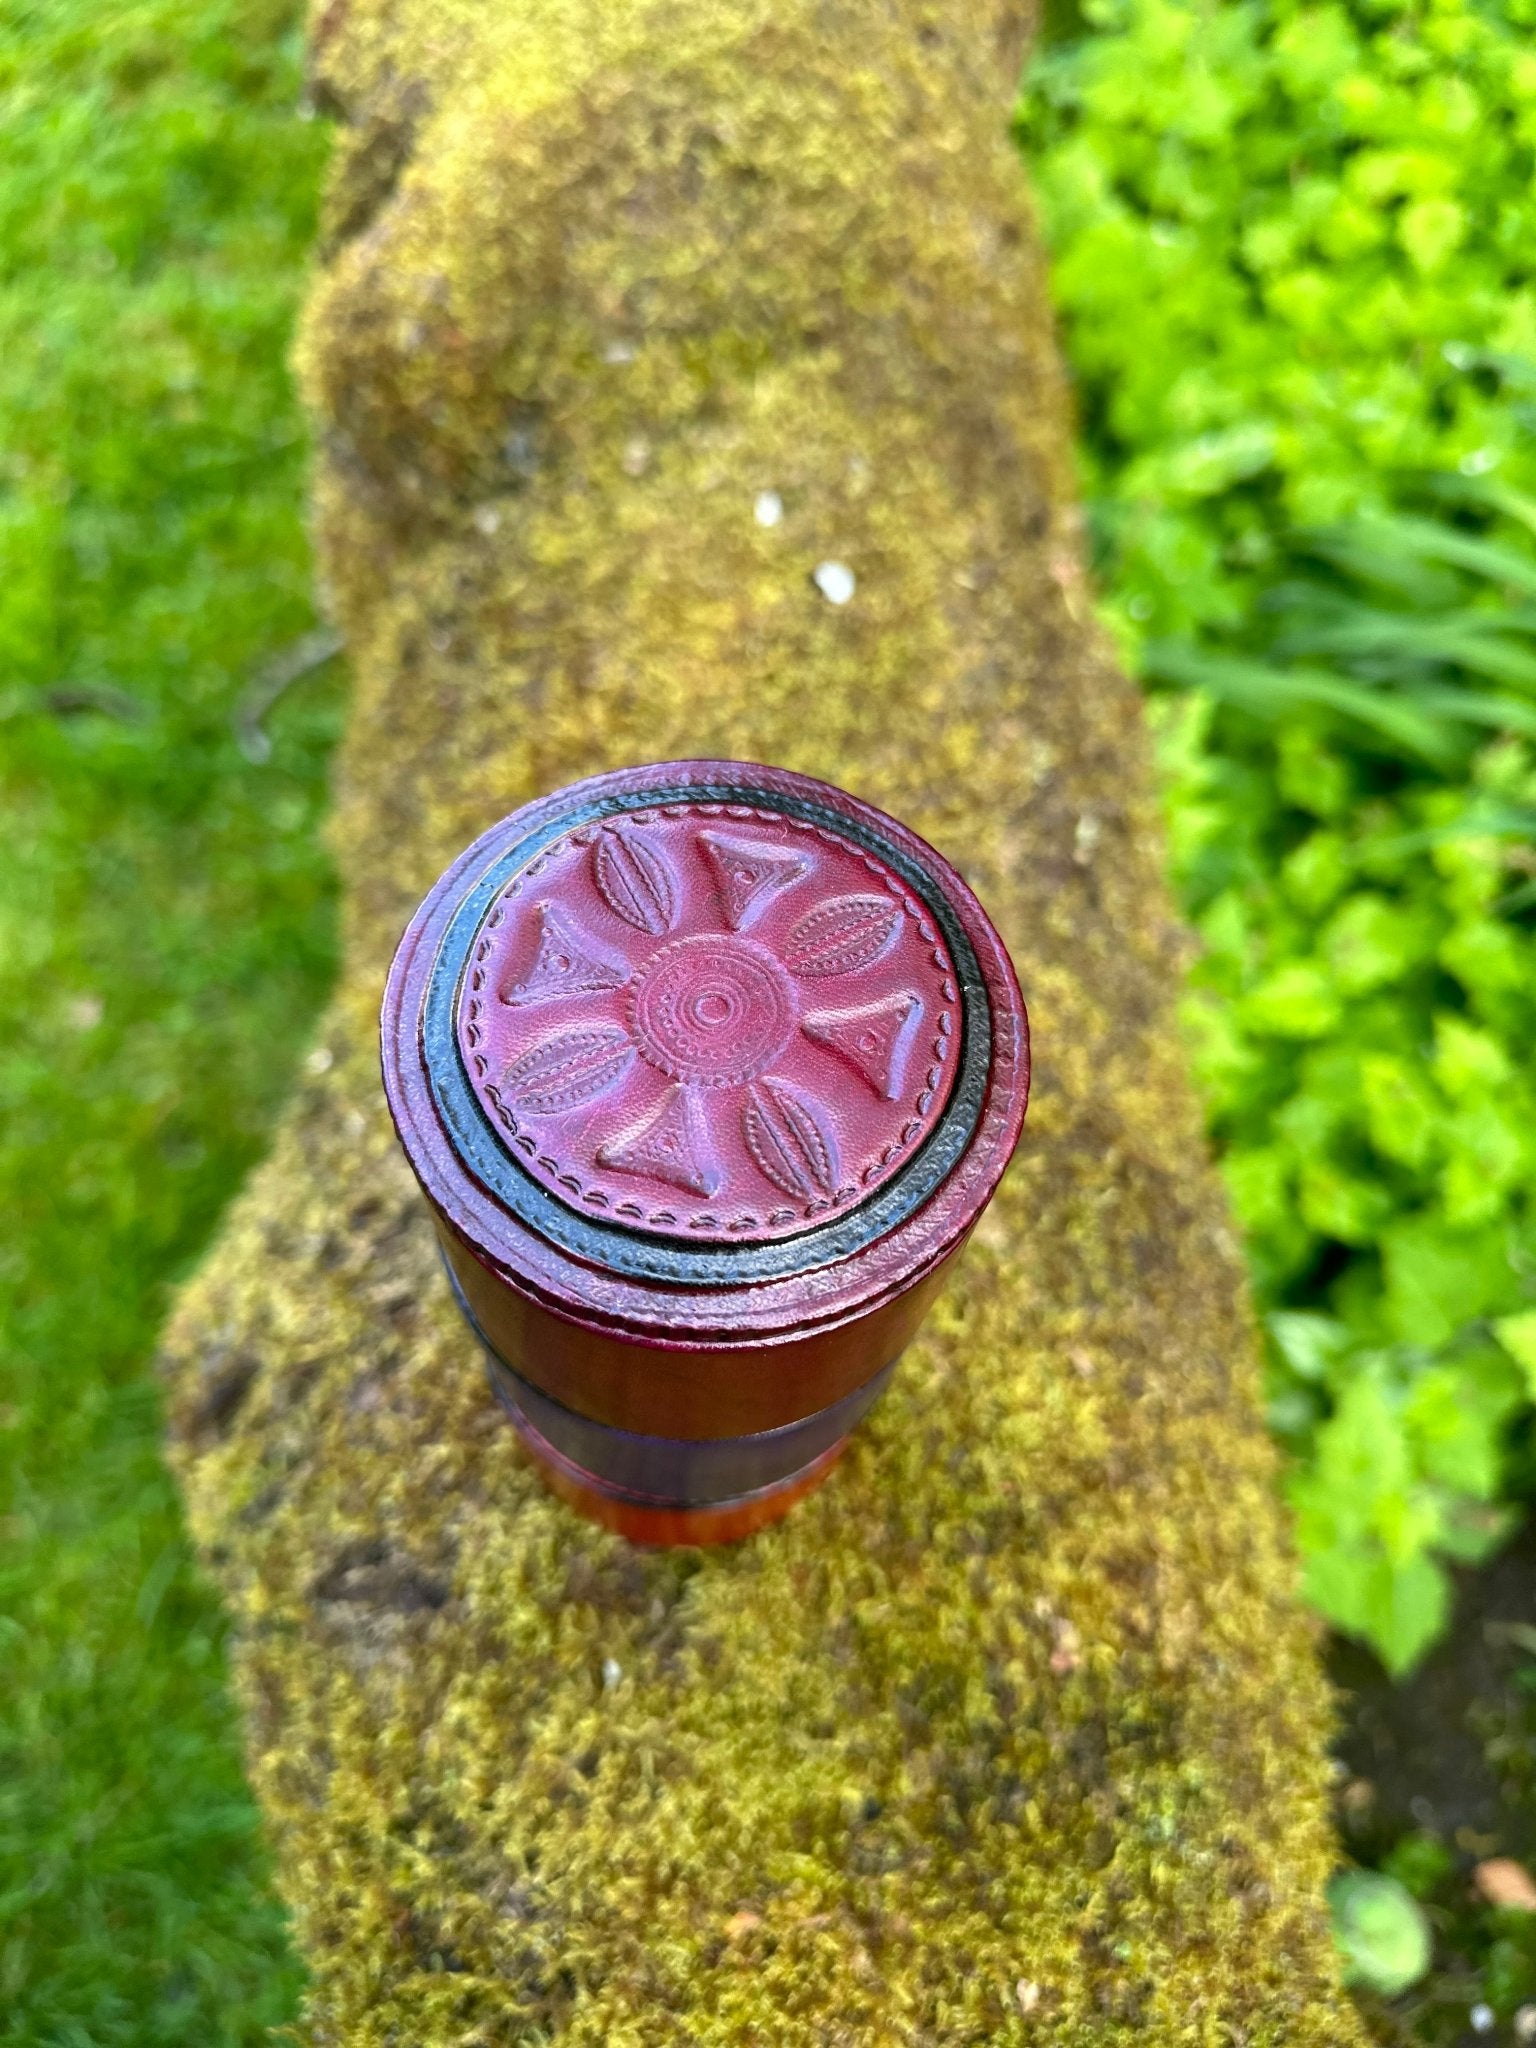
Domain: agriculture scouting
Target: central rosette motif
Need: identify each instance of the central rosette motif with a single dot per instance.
(726, 1005)
(715, 1010)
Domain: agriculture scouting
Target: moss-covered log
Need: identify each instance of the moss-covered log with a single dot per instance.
(632, 314)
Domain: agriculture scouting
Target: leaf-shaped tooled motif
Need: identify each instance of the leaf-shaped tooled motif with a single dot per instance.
(790, 1137)
(568, 1069)
(636, 882)
(839, 936)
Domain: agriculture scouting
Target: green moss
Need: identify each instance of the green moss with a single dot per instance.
(1014, 1731)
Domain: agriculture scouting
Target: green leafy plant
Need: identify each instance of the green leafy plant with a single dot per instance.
(1353, 789)
(1381, 1931)
(1288, 259)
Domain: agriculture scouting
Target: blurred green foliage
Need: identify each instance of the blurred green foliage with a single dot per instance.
(1292, 258)
(167, 931)
(1381, 1930)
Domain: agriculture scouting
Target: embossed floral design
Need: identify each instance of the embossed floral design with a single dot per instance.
(680, 1007)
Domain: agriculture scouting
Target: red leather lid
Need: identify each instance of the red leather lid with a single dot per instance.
(705, 1052)
(710, 1023)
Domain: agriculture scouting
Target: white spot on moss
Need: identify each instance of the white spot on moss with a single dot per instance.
(835, 581)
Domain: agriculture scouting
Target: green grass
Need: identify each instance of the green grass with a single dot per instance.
(167, 931)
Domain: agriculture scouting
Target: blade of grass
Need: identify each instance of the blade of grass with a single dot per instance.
(1357, 551)
(1463, 640)
(1430, 540)
(1267, 693)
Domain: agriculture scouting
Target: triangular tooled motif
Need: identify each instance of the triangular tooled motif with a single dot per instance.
(749, 874)
(569, 962)
(671, 1145)
(874, 1038)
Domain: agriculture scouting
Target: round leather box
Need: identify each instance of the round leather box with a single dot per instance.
(706, 1071)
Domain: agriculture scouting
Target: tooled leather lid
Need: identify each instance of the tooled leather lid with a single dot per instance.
(705, 1026)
